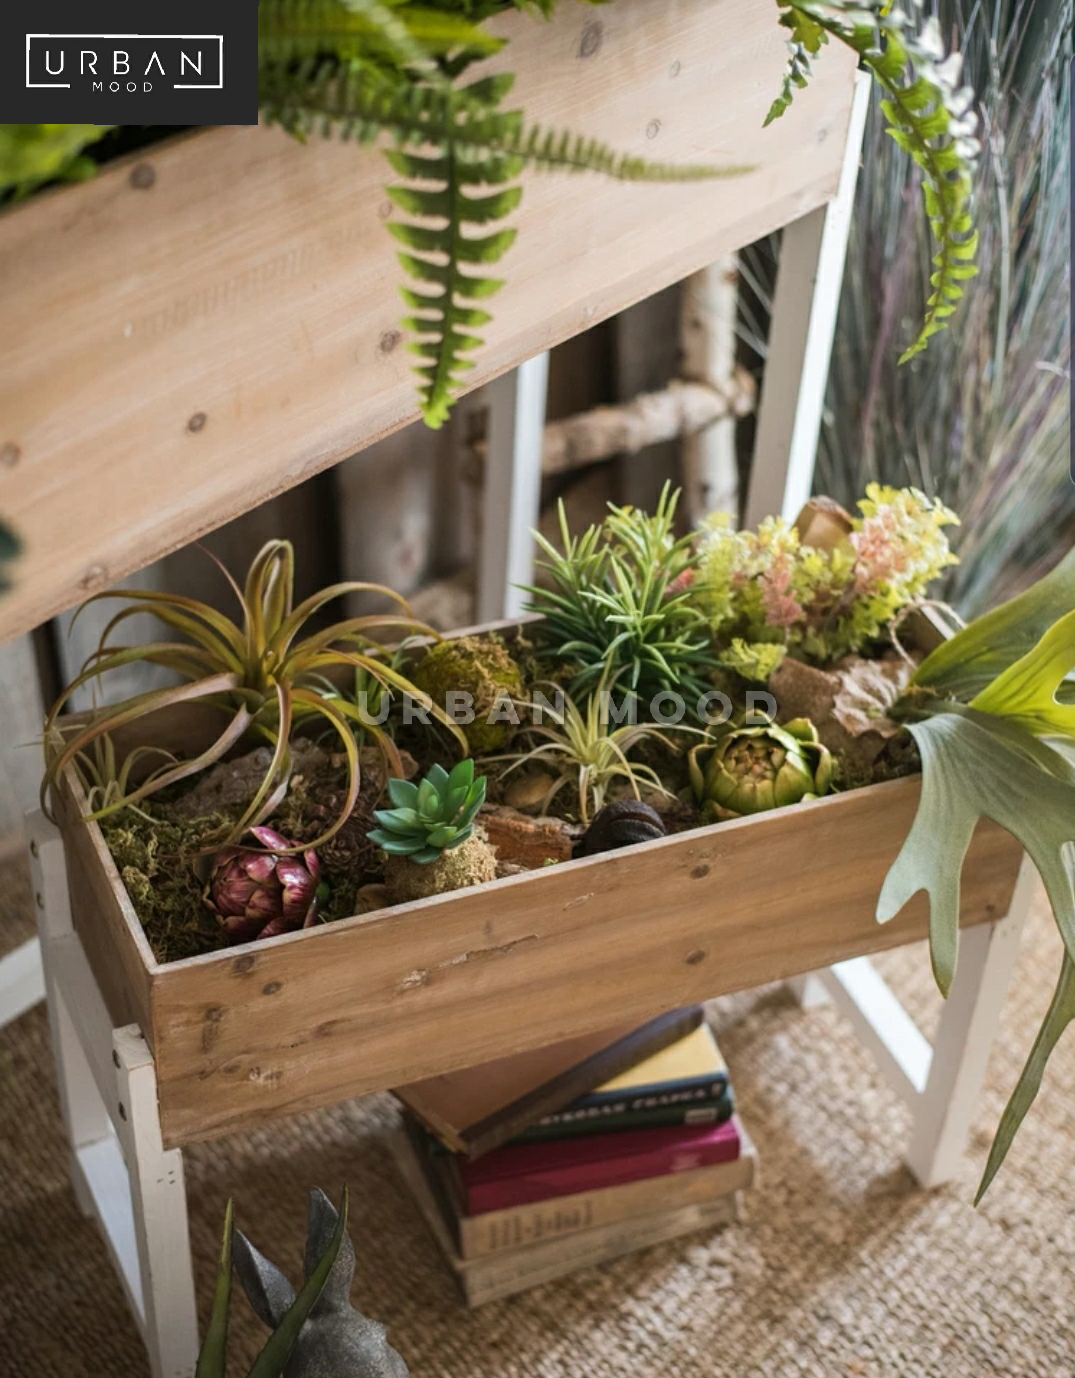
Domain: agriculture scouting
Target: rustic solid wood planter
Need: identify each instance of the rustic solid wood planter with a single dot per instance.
(254, 1032)
(209, 323)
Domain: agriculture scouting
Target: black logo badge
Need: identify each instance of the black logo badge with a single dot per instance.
(115, 62)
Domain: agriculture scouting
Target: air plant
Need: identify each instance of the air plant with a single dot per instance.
(589, 754)
(621, 606)
(256, 675)
(106, 783)
(992, 712)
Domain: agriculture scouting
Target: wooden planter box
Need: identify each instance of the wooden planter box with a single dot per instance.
(207, 324)
(312, 1018)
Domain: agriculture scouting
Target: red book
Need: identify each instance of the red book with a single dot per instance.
(520, 1173)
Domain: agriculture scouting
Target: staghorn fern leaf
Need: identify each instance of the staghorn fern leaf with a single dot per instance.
(1007, 756)
(928, 115)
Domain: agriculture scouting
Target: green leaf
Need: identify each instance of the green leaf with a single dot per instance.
(976, 766)
(213, 1356)
(1026, 692)
(403, 793)
(270, 1362)
(1060, 1014)
(964, 665)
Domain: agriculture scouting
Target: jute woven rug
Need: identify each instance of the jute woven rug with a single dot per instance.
(841, 1268)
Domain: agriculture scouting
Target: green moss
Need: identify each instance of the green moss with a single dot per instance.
(157, 860)
(483, 667)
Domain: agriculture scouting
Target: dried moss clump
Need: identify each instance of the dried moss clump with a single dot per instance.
(484, 668)
(156, 860)
(471, 863)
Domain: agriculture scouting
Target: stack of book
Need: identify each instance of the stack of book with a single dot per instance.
(534, 1166)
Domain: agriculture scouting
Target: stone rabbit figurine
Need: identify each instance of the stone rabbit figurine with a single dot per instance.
(335, 1341)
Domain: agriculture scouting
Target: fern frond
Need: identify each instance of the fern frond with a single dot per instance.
(927, 112)
(409, 39)
(474, 144)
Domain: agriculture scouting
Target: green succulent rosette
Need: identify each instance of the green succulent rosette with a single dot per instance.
(753, 769)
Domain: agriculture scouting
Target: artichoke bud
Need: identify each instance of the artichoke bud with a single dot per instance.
(260, 894)
(753, 769)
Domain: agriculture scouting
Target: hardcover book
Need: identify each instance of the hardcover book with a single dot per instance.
(664, 1089)
(521, 1173)
(501, 1231)
(505, 1272)
(480, 1108)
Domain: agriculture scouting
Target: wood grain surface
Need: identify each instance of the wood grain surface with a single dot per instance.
(181, 345)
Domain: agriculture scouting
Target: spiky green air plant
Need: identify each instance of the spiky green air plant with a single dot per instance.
(10, 549)
(992, 712)
(929, 115)
(258, 675)
(105, 782)
(432, 817)
(621, 606)
(587, 752)
(754, 769)
(270, 1363)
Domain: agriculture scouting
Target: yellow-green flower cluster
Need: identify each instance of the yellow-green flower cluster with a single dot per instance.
(767, 592)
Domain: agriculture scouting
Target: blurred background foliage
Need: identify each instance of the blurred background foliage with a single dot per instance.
(982, 420)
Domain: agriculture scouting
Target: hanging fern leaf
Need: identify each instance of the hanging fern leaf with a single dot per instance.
(445, 316)
(927, 112)
(407, 39)
(471, 151)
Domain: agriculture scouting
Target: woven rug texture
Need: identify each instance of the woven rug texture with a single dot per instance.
(840, 1268)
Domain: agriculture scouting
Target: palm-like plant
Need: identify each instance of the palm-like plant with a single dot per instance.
(258, 674)
(621, 605)
(581, 746)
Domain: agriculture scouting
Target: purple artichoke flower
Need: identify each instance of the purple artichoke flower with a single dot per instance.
(259, 894)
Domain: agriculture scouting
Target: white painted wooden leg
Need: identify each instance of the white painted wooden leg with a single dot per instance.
(121, 1172)
(159, 1207)
(22, 981)
(512, 489)
(809, 990)
(807, 296)
(961, 1051)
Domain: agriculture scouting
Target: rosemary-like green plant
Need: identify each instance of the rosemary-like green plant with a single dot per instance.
(256, 674)
(992, 712)
(587, 752)
(620, 606)
(928, 112)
